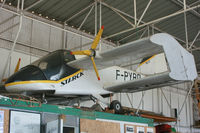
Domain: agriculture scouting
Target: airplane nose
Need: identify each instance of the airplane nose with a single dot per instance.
(27, 73)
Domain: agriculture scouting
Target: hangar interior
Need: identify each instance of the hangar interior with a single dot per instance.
(30, 29)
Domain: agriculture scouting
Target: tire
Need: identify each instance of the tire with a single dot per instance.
(116, 105)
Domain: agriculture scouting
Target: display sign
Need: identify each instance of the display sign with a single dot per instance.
(140, 129)
(1, 121)
(129, 128)
(150, 130)
(24, 122)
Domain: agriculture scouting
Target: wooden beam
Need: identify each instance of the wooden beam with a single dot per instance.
(158, 118)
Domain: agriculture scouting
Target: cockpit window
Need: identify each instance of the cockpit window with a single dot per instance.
(68, 57)
(27, 73)
(43, 65)
(54, 65)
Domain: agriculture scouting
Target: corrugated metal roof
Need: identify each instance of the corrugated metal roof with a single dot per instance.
(61, 10)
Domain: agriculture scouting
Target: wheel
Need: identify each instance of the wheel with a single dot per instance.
(116, 105)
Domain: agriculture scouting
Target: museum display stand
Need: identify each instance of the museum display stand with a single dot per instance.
(33, 117)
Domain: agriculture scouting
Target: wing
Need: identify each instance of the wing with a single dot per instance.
(180, 62)
(120, 55)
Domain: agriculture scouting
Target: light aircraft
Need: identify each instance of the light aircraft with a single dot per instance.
(60, 75)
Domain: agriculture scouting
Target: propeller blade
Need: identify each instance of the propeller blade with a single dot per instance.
(77, 53)
(17, 66)
(91, 52)
(84, 52)
(97, 38)
(95, 68)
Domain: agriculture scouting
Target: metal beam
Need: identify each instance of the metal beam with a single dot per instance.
(152, 29)
(38, 19)
(156, 28)
(95, 19)
(25, 45)
(171, 35)
(154, 21)
(135, 12)
(194, 39)
(196, 2)
(144, 32)
(34, 4)
(75, 15)
(1, 32)
(185, 22)
(18, 5)
(123, 13)
(188, 94)
(6, 20)
(129, 100)
(150, 1)
(100, 14)
(3, 3)
(124, 38)
(166, 99)
(194, 49)
(100, 23)
(15, 41)
(121, 16)
(181, 4)
(85, 18)
(138, 108)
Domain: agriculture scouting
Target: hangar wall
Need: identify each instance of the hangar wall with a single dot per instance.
(37, 39)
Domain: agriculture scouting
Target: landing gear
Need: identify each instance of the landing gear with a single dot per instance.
(96, 107)
(44, 100)
(116, 105)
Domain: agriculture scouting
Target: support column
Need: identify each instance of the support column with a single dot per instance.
(95, 18)
(135, 13)
(100, 23)
(185, 20)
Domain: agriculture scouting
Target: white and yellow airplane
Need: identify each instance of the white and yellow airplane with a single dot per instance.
(60, 74)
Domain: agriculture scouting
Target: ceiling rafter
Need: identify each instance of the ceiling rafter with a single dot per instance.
(79, 12)
(154, 21)
(181, 4)
(32, 5)
(150, 1)
(113, 9)
(127, 15)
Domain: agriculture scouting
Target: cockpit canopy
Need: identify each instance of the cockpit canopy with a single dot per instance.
(50, 67)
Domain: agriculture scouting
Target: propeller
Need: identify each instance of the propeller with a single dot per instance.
(92, 51)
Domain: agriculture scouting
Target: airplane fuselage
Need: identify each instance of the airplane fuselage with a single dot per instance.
(82, 82)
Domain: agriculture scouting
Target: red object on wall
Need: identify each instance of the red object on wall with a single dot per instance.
(164, 128)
